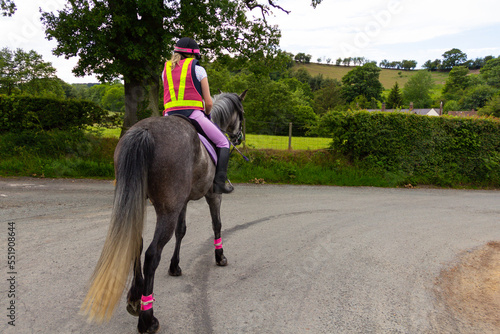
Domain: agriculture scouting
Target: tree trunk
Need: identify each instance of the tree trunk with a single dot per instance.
(141, 100)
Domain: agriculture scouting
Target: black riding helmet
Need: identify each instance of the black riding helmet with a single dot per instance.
(187, 45)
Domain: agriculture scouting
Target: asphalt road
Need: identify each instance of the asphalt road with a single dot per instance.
(301, 259)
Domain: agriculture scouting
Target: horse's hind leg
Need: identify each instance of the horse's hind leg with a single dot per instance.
(214, 201)
(180, 232)
(165, 227)
(135, 292)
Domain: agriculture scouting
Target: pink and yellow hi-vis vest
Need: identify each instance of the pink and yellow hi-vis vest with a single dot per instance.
(181, 88)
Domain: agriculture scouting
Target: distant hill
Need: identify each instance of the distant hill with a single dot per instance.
(388, 77)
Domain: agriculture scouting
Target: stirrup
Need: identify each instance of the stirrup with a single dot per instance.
(223, 188)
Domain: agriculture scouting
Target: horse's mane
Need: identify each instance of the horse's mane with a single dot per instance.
(224, 106)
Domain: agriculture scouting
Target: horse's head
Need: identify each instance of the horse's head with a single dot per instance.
(228, 114)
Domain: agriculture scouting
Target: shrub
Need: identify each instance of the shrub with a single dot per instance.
(436, 150)
(20, 113)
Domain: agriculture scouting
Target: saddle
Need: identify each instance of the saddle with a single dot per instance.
(208, 145)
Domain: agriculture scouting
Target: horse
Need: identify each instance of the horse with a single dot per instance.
(161, 159)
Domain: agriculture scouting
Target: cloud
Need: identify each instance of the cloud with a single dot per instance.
(370, 27)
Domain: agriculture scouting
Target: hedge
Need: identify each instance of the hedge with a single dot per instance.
(438, 150)
(19, 113)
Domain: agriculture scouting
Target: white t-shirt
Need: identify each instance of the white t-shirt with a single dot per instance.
(201, 73)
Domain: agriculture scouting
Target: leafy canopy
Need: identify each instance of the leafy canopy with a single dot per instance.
(364, 81)
(133, 38)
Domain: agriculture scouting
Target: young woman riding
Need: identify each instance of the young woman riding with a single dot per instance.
(186, 92)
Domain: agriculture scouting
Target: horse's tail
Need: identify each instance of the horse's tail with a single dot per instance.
(123, 242)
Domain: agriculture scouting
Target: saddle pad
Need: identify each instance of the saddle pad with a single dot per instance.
(209, 147)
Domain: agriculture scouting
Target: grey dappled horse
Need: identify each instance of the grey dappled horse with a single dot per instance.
(160, 158)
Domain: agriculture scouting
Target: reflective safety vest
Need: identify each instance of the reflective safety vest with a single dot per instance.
(182, 90)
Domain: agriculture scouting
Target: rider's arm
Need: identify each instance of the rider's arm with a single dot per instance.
(205, 90)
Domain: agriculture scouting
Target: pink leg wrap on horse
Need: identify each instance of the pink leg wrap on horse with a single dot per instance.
(218, 243)
(210, 129)
(147, 302)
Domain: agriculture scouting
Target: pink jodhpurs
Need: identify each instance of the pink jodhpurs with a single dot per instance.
(211, 130)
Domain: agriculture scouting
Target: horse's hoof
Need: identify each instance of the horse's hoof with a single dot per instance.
(134, 308)
(176, 272)
(222, 262)
(155, 327)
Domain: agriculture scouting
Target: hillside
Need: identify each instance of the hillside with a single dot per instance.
(387, 76)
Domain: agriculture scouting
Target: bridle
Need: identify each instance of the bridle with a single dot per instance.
(236, 138)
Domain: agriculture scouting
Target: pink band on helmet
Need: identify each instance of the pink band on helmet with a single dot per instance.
(218, 243)
(147, 302)
(178, 49)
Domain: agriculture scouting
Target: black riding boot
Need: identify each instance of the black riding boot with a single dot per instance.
(220, 185)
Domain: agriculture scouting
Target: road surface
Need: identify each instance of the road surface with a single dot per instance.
(302, 259)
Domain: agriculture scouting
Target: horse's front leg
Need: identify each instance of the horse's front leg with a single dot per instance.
(165, 227)
(214, 201)
(180, 232)
(135, 292)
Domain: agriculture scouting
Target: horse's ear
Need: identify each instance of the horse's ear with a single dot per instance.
(220, 92)
(242, 96)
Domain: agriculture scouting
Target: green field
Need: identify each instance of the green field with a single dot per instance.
(262, 141)
(282, 142)
(388, 77)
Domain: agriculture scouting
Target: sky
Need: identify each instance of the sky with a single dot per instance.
(375, 29)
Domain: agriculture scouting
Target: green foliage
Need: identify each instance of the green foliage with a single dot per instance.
(452, 58)
(364, 81)
(492, 107)
(477, 96)
(328, 98)
(420, 149)
(303, 58)
(131, 39)
(491, 72)
(395, 98)
(7, 7)
(301, 167)
(451, 105)
(417, 90)
(56, 154)
(29, 113)
(458, 80)
(26, 73)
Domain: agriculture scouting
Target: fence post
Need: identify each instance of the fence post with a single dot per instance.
(290, 136)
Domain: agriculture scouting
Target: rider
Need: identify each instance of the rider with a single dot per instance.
(186, 92)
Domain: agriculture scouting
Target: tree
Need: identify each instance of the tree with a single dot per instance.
(7, 7)
(476, 97)
(8, 72)
(491, 72)
(432, 65)
(26, 72)
(491, 108)
(417, 90)
(113, 98)
(302, 58)
(363, 80)
(131, 39)
(395, 98)
(384, 63)
(408, 64)
(338, 61)
(457, 81)
(452, 58)
(328, 97)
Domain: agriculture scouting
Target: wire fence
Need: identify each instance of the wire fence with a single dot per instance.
(274, 138)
